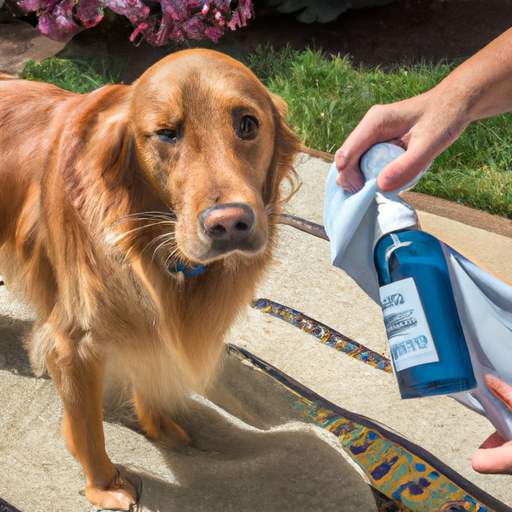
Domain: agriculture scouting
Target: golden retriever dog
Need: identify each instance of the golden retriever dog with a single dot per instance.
(137, 221)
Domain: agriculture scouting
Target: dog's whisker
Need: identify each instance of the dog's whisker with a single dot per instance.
(152, 222)
(173, 248)
(172, 255)
(148, 245)
(159, 246)
(167, 238)
(121, 236)
(167, 235)
(167, 243)
(131, 231)
(164, 218)
(149, 214)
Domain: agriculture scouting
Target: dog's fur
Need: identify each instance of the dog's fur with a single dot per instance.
(102, 196)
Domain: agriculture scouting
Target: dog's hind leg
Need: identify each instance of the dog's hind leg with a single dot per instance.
(157, 426)
(78, 376)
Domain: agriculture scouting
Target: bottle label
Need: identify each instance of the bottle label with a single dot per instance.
(410, 340)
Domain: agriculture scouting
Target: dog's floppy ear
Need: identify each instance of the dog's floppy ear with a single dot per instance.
(99, 150)
(286, 147)
(95, 163)
(110, 137)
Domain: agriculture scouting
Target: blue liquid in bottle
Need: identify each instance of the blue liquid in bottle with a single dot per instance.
(418, 255)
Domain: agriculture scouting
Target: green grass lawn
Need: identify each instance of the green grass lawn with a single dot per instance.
(77, 75)
(327, 97)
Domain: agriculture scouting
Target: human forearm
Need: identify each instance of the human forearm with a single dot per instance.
(482, 85)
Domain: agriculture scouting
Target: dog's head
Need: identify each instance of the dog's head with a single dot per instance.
(213, 144)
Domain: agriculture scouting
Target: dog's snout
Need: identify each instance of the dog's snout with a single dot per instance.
(231, 222)
(230, 227)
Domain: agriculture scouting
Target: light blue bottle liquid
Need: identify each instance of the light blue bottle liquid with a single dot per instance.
(429, 358)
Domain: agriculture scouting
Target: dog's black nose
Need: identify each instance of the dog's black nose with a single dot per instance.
(232, 222)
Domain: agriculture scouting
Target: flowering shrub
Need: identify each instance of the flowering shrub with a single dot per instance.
(156, 22)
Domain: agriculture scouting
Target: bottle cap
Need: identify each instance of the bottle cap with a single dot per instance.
(380, 155)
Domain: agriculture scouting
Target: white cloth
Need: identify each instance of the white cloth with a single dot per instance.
(356, 222)
(484, 304)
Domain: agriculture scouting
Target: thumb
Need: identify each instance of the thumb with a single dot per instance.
(401, 171)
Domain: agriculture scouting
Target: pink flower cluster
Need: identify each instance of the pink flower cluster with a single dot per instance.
(157, 22)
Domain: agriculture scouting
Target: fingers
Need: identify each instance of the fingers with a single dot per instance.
(382, 123)
(395, 175)
(347, 161)
(350, 176)
(501, 389)
(494, 456)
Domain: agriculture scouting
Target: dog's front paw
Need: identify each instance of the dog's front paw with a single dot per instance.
(120, 495)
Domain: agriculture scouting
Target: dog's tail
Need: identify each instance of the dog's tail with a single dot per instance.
(6, 76)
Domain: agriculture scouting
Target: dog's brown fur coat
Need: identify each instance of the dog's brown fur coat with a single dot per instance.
(81, 177)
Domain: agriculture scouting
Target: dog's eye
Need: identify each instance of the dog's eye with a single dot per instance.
(248, 127)
(170, 136)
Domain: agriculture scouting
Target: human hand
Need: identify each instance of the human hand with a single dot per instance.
(495, 454)
(424, 126)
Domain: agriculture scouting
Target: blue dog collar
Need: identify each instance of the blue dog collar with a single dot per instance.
(190, 271)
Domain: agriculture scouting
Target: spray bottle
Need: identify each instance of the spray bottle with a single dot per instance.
(426, 340)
